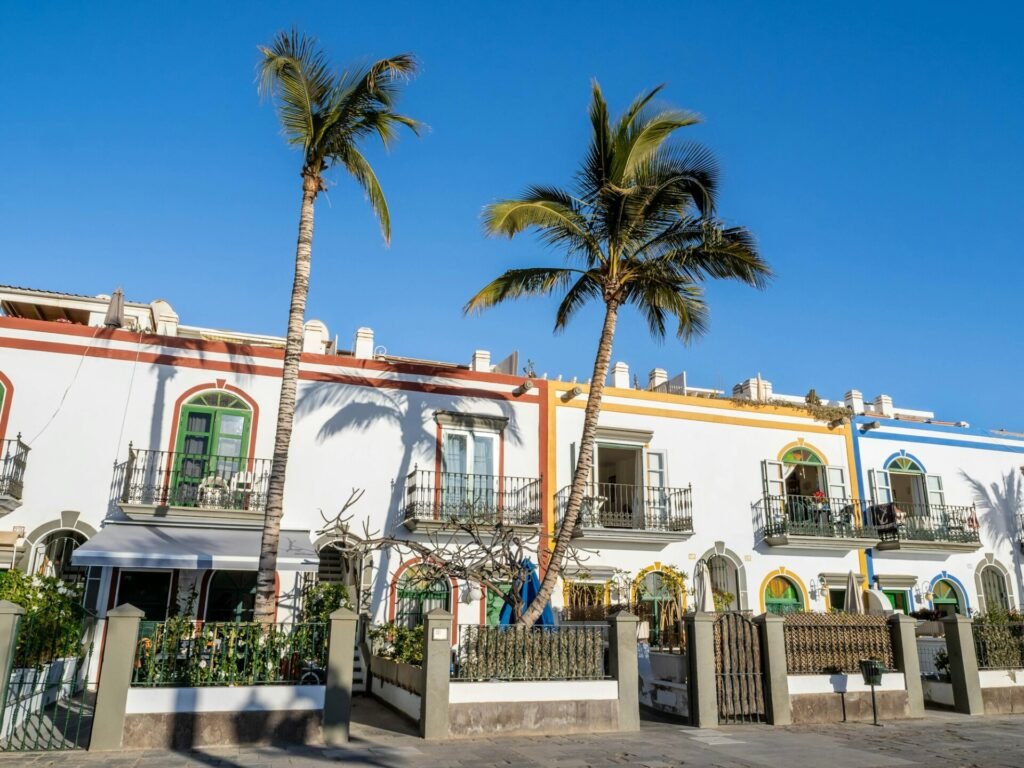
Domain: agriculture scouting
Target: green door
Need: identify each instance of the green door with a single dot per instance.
(212, 444)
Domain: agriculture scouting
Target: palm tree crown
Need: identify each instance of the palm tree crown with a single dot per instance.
(639, 225)
(326, 115)
(638, 228)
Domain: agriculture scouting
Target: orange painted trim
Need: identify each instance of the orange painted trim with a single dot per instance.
(393, 593)
(438, 448)
(791, 578)
(216, 386)
(249, 350)
(5, 406)
(801, 443)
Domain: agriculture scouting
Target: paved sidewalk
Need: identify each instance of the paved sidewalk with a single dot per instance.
(381, 738)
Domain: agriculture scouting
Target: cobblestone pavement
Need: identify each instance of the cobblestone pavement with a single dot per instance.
(382, 739)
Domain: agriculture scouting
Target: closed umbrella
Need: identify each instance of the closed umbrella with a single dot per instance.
(115, 312)
(854, 598)
(705, 592)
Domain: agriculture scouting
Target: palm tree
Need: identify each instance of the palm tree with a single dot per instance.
(326, 116)
(638, 228)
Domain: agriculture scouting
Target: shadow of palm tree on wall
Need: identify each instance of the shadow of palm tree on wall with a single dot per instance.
(999, 505)
(360, 409)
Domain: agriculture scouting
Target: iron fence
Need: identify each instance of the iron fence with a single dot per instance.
(574, 652)
(925, 522)
(823, 643)
(447, 496)
(186, 653)
(203, 481)
(13, 459)
(999, 645)
(823, 517)
(632, 507)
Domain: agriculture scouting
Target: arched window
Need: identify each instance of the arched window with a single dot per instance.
(805, 472)
(3, 402)
(945, 598)
(725, 584)
(782, 596)
(993, 588)
(231, 596)
(53, 556)
(420, 589)
(212, 446)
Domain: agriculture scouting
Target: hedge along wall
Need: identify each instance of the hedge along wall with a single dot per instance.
(823, 643)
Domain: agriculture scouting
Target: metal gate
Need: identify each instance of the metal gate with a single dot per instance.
(47, 704)
(739, 675)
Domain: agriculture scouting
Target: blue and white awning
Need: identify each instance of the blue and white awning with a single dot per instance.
(190, 547)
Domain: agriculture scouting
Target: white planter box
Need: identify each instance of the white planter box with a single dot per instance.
(938, 692)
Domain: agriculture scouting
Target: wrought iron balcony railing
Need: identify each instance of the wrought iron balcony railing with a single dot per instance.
(943, 523)
(13, 458)
(200, 481)
(465, 498)
(632, 507)
(816, 516)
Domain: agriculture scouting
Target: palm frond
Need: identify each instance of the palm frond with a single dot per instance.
(659, 294)
(593, 174)
(587, 287)
(362, 172)
(639, 140)
(705, 251)
(515, 283)
(294, 73)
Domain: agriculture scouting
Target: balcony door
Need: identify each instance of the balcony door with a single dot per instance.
(469, 481)
(213, 440)
(619, 496)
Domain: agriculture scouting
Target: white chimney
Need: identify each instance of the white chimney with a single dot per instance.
(883, 406)
(315, 337)
(656, 378)
(854, 400)
(362, 347)
(756, 389)
(165, 319)
(620, 376)
(481, 361)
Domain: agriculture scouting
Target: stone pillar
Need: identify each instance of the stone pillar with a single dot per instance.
(115, 677)
(437, 668)
(338, 693)
(9, 615)
(700, 647)
(773, 658)
(904, 650)
(622, 628)
(963, 665)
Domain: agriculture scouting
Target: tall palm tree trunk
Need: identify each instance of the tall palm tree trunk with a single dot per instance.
(266, 597)
(584, 462)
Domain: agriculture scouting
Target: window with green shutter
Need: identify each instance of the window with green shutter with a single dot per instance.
(212, 446)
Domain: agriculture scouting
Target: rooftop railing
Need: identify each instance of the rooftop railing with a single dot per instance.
(176, 479)
(820, 516)
(469, 498)
(632, 507)
(13, 459)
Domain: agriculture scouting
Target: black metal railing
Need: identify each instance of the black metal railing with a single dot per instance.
(636, 507)
(175, 479)
(820, 516)
(13, 458)
(466, 498)
(567, 652)
(999, 644)
(899, 521)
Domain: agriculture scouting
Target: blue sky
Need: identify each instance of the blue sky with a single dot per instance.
(874, 150)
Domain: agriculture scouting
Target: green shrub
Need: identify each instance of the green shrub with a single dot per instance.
(52, 625)
(391, 641)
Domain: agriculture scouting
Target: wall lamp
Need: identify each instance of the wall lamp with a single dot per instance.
(577, 391)
(870, 425)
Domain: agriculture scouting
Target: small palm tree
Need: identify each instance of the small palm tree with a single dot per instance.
(638, 228)
(326, 116)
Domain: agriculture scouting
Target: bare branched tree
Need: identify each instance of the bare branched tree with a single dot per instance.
(472, 547)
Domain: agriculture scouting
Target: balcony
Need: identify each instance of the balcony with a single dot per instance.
(194, 487)
(632, 513)
(436, 499)
(810, 522)
(926, 527)
(13, 458)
